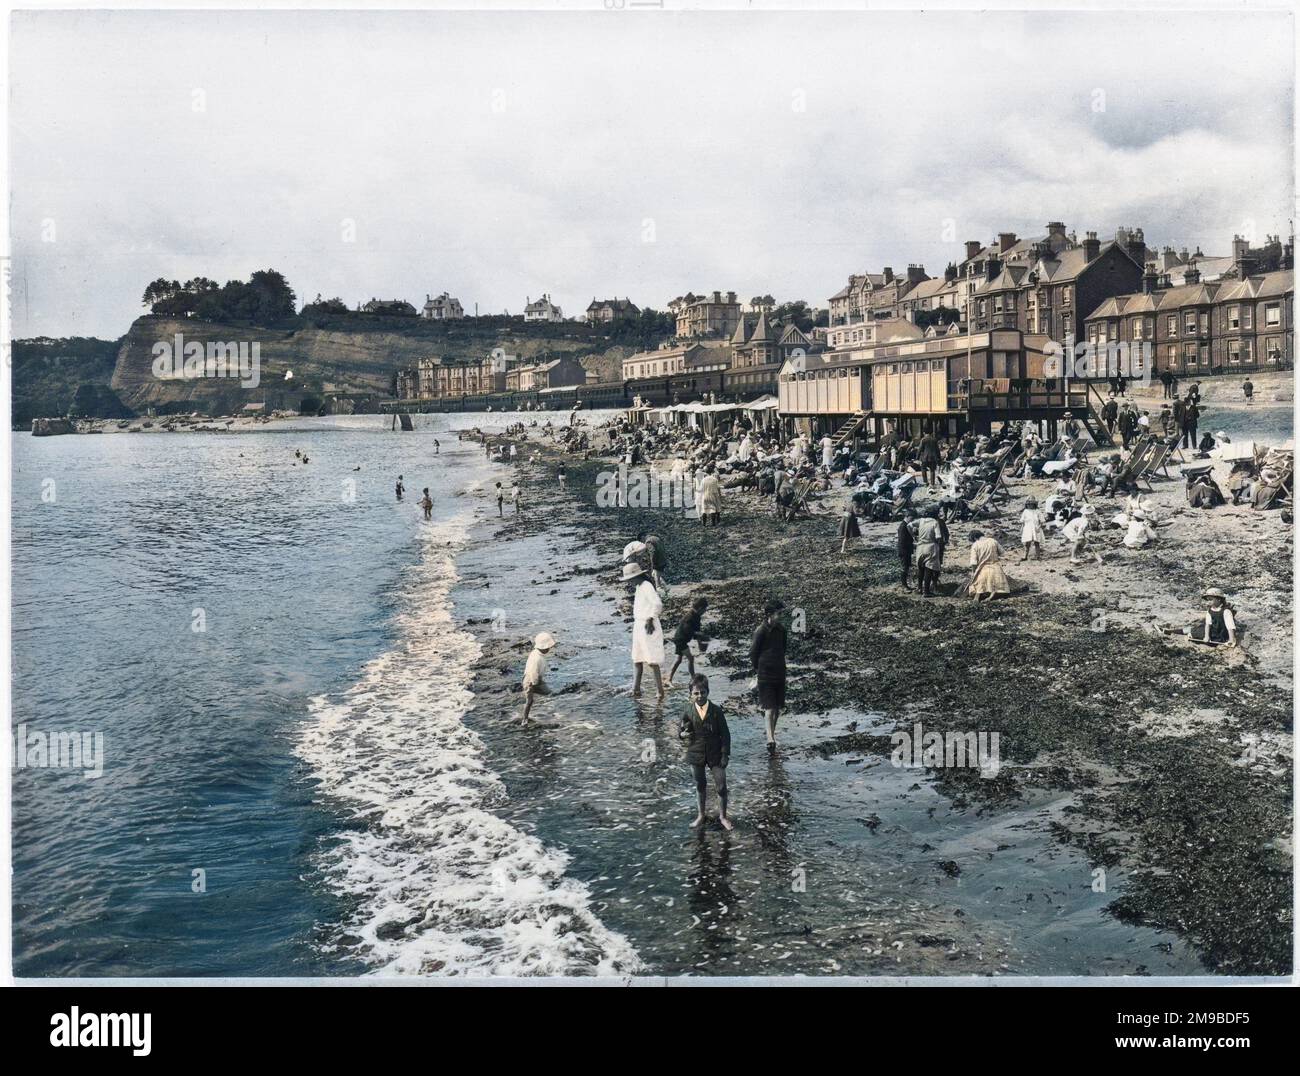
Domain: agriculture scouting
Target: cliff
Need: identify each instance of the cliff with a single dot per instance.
(352, 355)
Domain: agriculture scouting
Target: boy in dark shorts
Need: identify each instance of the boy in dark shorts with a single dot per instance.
(687, 630)
(708, 748)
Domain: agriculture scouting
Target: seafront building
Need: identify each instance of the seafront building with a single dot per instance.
(1241, 321)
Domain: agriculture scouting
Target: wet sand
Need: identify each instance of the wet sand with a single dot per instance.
(1163, 765)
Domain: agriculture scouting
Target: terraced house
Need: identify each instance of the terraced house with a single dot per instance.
(1243, 321)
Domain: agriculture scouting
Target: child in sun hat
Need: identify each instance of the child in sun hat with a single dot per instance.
(535, 672)
(1031, 529)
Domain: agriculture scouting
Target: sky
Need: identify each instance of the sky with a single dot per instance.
(501, 155)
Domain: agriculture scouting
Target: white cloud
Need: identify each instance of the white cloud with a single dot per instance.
(688, 120)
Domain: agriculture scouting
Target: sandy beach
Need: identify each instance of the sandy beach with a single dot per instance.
(1159, 761)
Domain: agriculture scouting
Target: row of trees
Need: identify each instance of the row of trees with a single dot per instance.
(263, 299)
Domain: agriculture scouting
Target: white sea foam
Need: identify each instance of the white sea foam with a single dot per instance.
(436, 882)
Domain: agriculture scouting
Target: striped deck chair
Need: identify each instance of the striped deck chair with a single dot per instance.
(1156, 460)
(982, 503)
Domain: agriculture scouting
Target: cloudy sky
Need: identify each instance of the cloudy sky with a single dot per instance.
(501, 155)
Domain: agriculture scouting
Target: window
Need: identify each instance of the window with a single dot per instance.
(1273, 348)
(1273, 315)
(1234, 351)
(1189, 354)
(1189, 323)
(1065, 296)
(1205, 323)
(1247, 317)
(1234, 317)
(983, 307)
(936, 364)
(1114, 331)
(1149, 328)
(906, 368)
(1137, 329)
(1171, 325)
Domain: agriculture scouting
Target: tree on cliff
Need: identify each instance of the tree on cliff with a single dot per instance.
(264, 299)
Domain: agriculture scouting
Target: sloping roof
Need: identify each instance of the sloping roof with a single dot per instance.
(762, 331)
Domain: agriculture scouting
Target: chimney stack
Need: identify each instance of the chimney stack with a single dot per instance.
(1136, 246)
(731, 296)
(973, 247)
(1149, 278)
(992, 268)
(888, 274)
(1192, 275)
(915, 274)
(717, 296)
(1055, 228)
(1006, 240)
(950, 274)
(1091, 246)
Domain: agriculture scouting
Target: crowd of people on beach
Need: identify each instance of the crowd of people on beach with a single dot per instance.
(919, 483)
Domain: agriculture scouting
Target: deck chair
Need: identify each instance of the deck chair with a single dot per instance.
(799, 505)
(1157, 459)
(982, 503)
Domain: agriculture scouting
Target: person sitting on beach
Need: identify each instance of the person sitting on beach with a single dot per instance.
(989, 579)
(426, 502)
(1140, 532)
(1217, 628)
(535, 672)
(708, 747)
(1031, 529)
(1204, 492)
(687, 630)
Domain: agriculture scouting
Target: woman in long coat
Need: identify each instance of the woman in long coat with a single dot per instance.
(710, 498)
(647, 632)
(989, 579)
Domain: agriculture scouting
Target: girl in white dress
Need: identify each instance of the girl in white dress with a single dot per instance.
(1031, 529)
(647, 633)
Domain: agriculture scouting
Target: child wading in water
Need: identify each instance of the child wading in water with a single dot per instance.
(535, 672)
(1031, 529)
(708, 747)
(687, 630)
(426, 502)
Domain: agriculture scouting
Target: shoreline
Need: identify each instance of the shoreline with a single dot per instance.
(1176, 764)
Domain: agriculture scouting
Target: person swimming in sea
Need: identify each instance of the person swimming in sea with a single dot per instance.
(400, 488)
